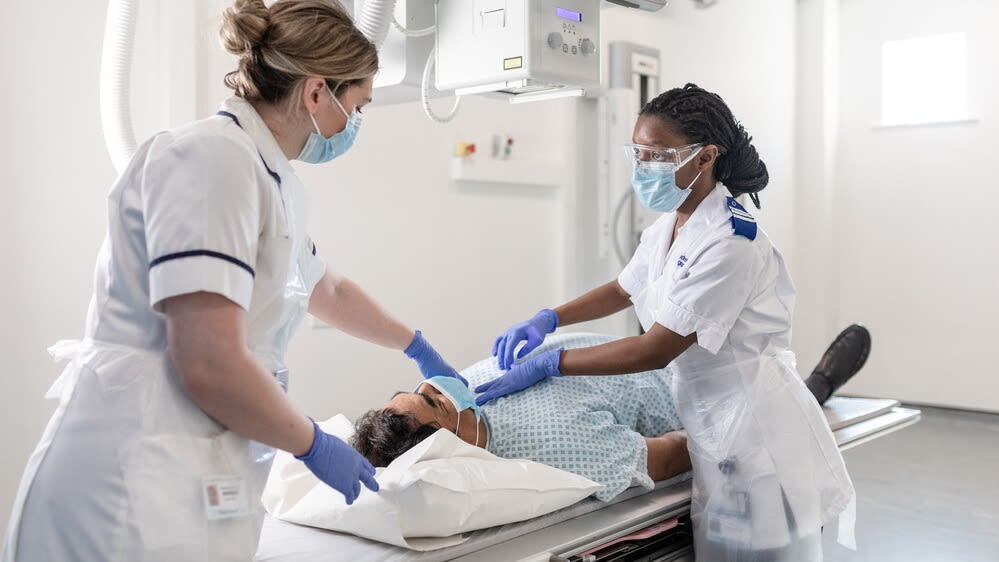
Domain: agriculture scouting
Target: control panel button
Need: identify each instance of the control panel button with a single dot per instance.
(554, 39)
(587, 47)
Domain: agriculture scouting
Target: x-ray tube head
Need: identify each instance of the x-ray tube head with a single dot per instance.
(519, 48)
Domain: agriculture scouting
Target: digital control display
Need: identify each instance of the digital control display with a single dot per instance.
(569, 15)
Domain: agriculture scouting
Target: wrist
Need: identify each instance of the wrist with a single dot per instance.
(416, 345)
(556, 363)
(311, 442)
(550, 318)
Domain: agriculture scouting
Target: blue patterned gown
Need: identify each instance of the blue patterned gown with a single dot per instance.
(592, 426)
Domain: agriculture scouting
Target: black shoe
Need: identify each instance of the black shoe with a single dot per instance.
(844, 357)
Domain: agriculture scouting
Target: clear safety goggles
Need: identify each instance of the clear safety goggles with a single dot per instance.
(676, 156)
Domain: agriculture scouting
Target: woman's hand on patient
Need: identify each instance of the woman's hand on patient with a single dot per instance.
(532, 331)
(430, 362)
(528, 373)
(339, 465)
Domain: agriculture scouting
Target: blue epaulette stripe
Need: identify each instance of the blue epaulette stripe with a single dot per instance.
(743, 223)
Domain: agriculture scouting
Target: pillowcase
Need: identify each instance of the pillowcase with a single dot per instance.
(428, 496)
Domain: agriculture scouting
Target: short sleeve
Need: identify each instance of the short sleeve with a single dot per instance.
(712, 294)
(202, 212)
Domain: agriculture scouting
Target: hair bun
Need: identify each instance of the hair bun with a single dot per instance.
(244, 25)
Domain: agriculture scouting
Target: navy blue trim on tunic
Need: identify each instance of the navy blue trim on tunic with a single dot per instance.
(235, 120)
(209, 253)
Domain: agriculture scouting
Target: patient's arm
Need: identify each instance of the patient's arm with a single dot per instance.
(668, 455)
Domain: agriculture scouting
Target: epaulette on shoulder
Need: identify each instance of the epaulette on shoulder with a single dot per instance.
(743, 223)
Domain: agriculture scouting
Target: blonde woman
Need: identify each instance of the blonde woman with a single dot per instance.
(173, 401)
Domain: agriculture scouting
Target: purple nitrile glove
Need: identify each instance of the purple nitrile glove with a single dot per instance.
(532, 331)
(430, 362)
(530, 372)
(339, 465)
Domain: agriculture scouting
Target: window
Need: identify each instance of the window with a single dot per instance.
(924, 80)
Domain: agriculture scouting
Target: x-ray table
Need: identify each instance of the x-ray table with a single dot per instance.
(564, 534)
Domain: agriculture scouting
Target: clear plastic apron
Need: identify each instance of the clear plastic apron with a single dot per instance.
(767, 472)
(192, 488)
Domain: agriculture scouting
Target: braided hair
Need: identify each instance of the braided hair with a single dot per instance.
(702, 117)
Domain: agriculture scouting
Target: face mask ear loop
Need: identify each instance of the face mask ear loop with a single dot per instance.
(458, 426)
(338, 104)
(692, 156)
(694, 180)
(316, 125)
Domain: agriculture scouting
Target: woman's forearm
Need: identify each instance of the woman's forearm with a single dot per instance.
(598, 303)
(241, 395)
(341, 303)
(652, 350)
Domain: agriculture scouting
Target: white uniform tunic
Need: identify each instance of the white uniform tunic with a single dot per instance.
(767, 472)
(128, 467)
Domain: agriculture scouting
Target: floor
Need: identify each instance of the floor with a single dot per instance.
(927, 492)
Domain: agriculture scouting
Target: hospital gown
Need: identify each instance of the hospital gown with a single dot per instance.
(591, 426)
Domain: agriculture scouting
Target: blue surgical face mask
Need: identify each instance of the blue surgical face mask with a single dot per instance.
(460, 396)
(655, 184)
(319, 149)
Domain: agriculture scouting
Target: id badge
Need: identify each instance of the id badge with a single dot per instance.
(225, 497)
(729, 528)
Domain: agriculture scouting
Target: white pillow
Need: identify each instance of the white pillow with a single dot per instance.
(438, 489)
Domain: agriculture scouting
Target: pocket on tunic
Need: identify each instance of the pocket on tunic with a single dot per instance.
(164, 480)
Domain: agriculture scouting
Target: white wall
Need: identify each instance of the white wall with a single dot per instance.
(816, 133)
(56, 173)
(914, 214)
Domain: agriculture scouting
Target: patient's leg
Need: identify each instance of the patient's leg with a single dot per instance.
(844, 357)
(668, 455)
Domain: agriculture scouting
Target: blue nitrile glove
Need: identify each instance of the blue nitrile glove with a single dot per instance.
(533, 331)
(530, 372)
(339, 465)
(430, 362)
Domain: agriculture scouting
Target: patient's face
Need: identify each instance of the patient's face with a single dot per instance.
(427, 405)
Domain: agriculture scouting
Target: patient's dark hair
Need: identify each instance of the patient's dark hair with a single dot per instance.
(702, 117)
(382, 435)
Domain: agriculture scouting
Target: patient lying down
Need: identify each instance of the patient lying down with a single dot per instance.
(618, 431)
